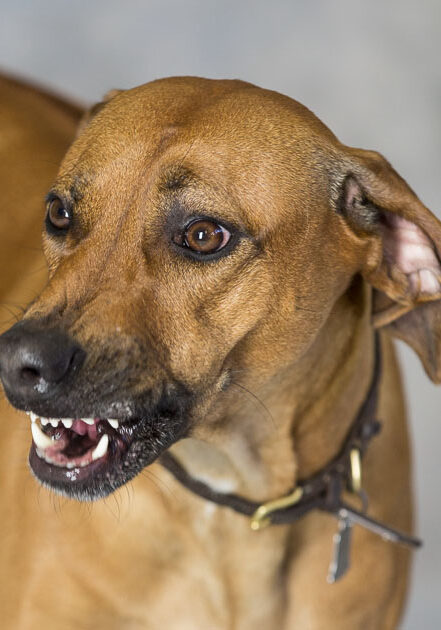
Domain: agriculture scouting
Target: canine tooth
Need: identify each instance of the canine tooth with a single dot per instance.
(33, 416)
(101, 449)
(41, 440)
(44, 421)
(68, 422)
(113, 423)
(88, 420)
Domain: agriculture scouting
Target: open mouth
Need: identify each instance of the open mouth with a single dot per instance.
(88, 458)
(74, 450)
(71, 443)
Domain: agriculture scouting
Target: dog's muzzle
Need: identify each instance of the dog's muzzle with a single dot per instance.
(84, 445)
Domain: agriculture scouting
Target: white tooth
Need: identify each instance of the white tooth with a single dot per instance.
(113, 423)
(41, 440)
(33, 416)
(101, 449)
(28, 413)
(54, 422)
(44, 421)
(88, 420)
(68, 422)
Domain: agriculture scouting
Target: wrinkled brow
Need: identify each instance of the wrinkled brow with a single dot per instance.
(71, 188)
(176, 178)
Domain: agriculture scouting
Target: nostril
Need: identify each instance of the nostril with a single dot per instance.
(29, 374)
(36, 362)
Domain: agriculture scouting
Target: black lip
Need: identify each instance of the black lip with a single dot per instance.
(143, 442)
(72, 482)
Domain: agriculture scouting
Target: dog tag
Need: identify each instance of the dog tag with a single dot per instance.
(386, 533)
(341, 552)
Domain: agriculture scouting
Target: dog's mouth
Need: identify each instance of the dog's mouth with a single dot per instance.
(88, 458)
(71, 443)
(73, 448)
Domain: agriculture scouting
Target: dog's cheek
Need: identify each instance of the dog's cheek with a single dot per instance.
(200, 330)
(52, 253)
(238, 306)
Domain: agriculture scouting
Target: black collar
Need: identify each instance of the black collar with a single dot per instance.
(322, 491)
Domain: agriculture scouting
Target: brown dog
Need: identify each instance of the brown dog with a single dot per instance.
(218, 262)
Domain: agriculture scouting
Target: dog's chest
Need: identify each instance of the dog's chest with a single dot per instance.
(151, 559)
(204, 569)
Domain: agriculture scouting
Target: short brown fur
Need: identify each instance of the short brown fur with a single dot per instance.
(287, 315)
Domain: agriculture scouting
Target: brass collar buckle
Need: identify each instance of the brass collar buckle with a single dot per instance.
(262, 516)
(355, 468)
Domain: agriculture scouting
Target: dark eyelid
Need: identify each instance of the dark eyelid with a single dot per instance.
(180, 214)
(54, 194)
(50, 197)
(211, 219)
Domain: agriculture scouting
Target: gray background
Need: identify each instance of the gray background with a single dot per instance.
(370, 70)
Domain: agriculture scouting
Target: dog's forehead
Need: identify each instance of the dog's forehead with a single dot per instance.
(231, 115)
(248, 138)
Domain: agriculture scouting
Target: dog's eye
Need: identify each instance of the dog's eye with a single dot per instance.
(203, 236)
(58, 216)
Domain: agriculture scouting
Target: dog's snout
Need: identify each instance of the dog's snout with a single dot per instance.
(34, 362)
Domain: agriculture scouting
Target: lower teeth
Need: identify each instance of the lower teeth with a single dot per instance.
(41, 454)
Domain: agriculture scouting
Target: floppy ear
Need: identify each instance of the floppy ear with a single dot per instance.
(92, 111)
(403, 241)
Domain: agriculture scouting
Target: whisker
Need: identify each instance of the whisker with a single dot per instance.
(116, 514)
(14, 316)
(157, 482)
(257, 399)
(307, 310)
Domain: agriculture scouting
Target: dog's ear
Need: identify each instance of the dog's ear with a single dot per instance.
(92, 111)
(402, 240)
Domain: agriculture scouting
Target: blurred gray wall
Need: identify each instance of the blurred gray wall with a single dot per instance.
(370, 70)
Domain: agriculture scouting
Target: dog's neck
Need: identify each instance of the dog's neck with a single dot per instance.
(296, 423)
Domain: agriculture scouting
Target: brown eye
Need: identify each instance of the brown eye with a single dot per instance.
(204, 236)
(57, 215)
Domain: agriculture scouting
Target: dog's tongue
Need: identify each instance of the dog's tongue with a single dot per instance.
(63, 437)
(77, 445)
(82, 428)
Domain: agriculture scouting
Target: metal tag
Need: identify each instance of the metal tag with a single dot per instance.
(386, 532)
(341, 553)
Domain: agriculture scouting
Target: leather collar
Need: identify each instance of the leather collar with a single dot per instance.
(323, 490)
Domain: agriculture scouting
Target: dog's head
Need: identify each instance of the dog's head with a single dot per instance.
(198, 230)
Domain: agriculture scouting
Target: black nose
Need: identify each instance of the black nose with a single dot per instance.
(34, 362)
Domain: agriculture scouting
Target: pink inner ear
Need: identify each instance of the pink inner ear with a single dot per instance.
(409, 250)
